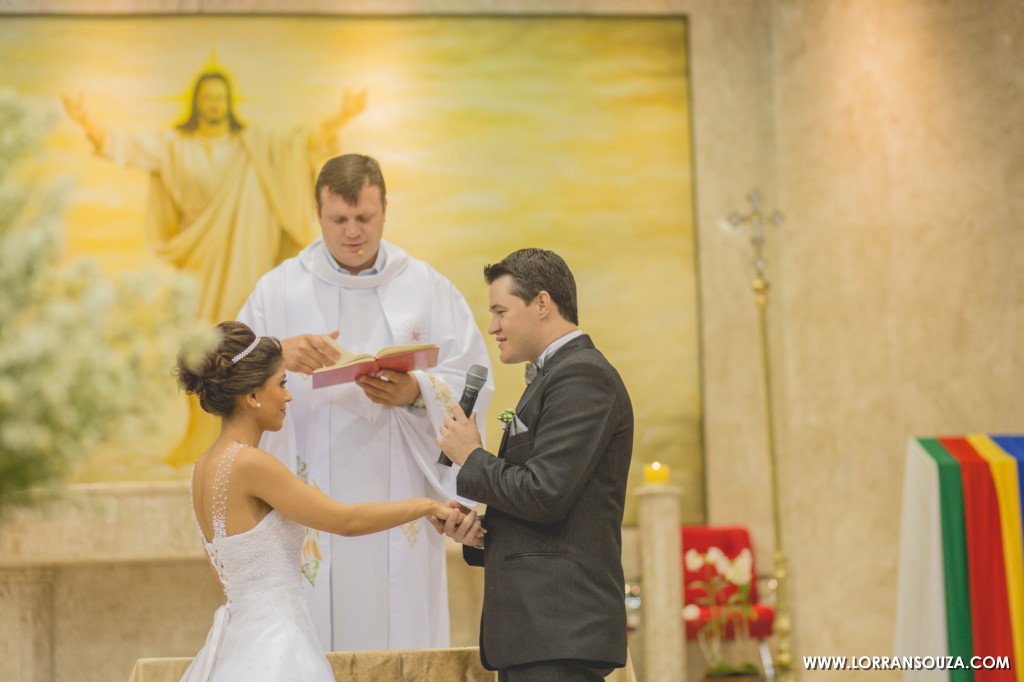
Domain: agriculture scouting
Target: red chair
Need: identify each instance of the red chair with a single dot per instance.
(732, 540)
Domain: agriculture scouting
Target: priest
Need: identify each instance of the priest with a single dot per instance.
(371, 440)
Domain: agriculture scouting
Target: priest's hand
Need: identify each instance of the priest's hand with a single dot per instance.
(463, 525)
(459, 436)
(394, 389)
(307, 352)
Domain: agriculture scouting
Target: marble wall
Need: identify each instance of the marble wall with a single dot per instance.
(103, 576)
(889, 135)
(898, 158)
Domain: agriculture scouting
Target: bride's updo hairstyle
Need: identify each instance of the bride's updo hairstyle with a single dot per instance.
(240, 364)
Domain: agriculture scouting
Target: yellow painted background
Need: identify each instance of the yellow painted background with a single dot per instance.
(494, 134)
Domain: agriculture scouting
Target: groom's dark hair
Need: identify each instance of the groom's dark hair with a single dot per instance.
(537, 270)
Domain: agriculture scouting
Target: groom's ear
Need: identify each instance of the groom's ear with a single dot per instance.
(545, 305)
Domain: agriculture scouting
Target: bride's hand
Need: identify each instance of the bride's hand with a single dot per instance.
(440, 512)
(443, 512)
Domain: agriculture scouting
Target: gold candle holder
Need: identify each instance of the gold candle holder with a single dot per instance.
(784, 669)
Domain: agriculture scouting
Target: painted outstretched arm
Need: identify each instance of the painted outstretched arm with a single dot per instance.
(352, 104)
(76, 111)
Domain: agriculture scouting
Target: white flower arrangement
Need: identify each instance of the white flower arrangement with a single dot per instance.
(82, 355)
(733, 611)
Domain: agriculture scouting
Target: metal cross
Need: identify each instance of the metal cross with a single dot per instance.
(756, 220)
(784, 670)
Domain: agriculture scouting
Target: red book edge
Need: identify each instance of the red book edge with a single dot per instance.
(401, 362)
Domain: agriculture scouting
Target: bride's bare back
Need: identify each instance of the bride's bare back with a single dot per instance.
(216, 494)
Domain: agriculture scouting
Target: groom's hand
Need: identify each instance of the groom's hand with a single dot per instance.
(439, 523)
(459, 436)
(463, 526)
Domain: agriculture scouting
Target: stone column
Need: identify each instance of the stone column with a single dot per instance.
(26, 625)
(664, 641)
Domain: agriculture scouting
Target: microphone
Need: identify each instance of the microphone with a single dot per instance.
(476, 377)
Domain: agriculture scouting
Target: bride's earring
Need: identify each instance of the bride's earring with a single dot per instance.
(259, 404)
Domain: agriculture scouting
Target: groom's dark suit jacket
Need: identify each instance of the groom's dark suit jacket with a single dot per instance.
(553, 584)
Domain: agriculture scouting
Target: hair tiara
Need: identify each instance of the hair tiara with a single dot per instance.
(252, 346)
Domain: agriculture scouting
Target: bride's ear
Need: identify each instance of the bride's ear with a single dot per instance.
(251, 401)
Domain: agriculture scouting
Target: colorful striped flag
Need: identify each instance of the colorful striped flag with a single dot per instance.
(961, 572)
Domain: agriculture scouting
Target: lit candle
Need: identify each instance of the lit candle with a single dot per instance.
(656, 473)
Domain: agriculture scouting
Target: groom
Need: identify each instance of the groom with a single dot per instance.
(553, 601)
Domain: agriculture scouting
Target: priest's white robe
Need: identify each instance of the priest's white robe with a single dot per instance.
(226, 209)
(386, 590)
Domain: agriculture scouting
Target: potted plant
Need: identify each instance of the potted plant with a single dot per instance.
(724, 609)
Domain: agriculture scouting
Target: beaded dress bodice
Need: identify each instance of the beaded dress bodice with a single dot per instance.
(259, 561)
(263, 633)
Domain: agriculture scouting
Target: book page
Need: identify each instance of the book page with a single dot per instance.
(395, 350)
(347, 356)
(397, 358)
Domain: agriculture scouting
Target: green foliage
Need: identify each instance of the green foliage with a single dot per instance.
(727, 670)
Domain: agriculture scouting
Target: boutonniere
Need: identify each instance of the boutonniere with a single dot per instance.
(506, 417)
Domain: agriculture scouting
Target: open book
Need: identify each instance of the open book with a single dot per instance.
(351, 366)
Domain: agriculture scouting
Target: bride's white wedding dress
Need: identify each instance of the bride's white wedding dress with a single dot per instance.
(264, 632)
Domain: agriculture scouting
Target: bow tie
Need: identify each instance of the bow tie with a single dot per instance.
(532, 371)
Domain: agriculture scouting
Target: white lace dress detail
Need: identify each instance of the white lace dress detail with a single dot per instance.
(264, 632)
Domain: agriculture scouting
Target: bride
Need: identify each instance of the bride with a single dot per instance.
(252, 512)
